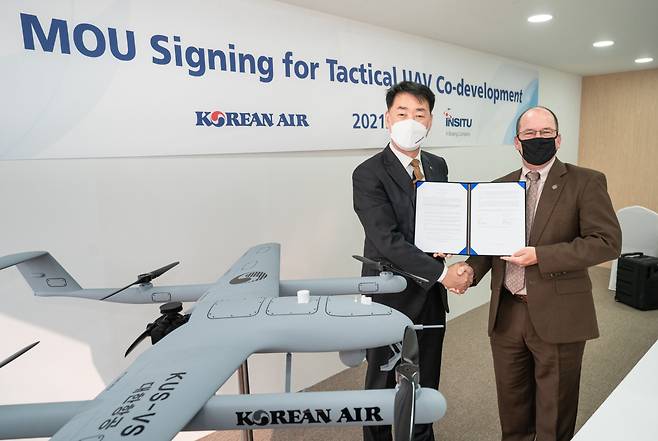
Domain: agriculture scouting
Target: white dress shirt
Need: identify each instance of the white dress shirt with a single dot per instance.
(406, 161)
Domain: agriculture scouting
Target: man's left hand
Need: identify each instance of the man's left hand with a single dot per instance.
(526, 256)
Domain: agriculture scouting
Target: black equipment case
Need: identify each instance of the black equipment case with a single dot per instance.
(637, 281)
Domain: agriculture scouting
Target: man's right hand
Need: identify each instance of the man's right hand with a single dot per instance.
(458, 278)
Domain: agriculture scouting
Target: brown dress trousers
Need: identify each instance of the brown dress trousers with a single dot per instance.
(537, 344)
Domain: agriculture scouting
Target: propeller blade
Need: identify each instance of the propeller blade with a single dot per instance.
(163, 325)
(382, 266)
(144, 278)
(410, 349)
(369, 261)
(405, 273)
(407, 374)
(137, 341)
(404, 411)
(119, 290)
(17, 354)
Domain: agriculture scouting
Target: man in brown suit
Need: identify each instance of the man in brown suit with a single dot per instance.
(542, 311)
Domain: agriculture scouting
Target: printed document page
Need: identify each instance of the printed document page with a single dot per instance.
(441, 217)
(497, 218)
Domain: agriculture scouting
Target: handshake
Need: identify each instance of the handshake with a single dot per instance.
(459, 276)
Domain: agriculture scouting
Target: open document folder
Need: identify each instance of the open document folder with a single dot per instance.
(486, 218)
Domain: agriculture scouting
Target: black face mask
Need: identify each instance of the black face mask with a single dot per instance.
(538, 151)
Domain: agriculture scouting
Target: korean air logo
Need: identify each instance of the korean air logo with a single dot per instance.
(218, 118)
(453, 121)
(346, 415)
(215, 117)
(253, 276)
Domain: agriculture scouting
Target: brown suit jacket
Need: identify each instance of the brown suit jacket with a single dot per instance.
(575, 227)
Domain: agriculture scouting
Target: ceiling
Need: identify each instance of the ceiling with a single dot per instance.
(500, 27)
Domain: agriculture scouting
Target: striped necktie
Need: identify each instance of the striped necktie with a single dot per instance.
(418, 175)
(515, 274)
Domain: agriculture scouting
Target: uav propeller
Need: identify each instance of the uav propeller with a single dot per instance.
(163, 325)
(144, 278)
(17, 354)
(385, 266)
(407, 374)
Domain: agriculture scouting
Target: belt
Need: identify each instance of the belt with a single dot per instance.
(517, 297)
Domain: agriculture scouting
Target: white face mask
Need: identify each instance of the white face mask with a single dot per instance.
(408, 134)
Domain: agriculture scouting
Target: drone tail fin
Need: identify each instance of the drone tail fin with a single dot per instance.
(42, 272)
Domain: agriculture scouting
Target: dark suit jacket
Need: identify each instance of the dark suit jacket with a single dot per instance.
(575, 227)
(384, 200)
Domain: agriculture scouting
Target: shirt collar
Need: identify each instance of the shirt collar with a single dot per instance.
(404, 159)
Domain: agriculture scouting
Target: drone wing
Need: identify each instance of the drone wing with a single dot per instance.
(170, 382)
(161, 392)
(255, 274)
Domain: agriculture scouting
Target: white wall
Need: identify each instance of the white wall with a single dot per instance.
(107, 220)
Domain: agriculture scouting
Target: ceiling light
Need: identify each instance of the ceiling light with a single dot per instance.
(540, 18)
(603, 43)
(644, 60)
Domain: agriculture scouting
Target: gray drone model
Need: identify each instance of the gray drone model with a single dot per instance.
(171, 386)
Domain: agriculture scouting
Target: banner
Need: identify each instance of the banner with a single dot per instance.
(150, 78)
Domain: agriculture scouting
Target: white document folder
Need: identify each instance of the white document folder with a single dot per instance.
(485, 218)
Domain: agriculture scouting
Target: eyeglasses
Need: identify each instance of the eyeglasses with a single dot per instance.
(544, 133)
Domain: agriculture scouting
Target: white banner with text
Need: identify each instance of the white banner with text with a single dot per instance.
(152, 78)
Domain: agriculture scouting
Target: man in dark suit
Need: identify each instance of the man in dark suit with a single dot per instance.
(542, 311)
(384, 200)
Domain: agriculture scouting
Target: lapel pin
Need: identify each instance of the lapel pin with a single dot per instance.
(554, 187)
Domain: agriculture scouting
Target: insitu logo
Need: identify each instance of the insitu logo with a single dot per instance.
(254, 276)
(217, 118)
(307, 416)
(452, 121)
